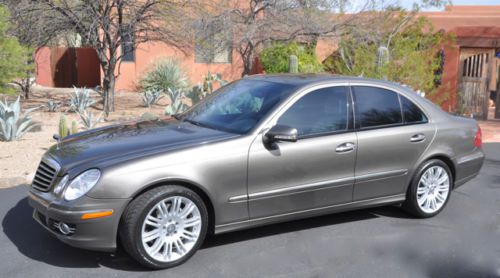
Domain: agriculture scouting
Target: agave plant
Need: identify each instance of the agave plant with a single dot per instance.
(176, 105)
(12, 125)
(80, 100)
(151, 97)
(89, 120)
(52, 105)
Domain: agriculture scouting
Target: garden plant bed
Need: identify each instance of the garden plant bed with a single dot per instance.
(19, 159)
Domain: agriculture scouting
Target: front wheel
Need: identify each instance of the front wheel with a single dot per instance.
(164, 227)
(430, 190)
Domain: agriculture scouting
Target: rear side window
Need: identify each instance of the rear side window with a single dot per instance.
(376, 107)
(321, 111)
(411, 112)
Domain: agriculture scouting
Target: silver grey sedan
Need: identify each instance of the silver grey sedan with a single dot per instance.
(261, 150)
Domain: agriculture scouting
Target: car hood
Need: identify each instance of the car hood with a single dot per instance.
(132, 140)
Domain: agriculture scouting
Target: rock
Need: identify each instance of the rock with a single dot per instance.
(147, 116)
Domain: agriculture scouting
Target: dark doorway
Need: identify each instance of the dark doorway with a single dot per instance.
(75, 67)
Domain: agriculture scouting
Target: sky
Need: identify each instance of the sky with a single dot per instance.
(356, 4)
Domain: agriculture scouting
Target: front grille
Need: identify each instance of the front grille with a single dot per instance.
(45, 175)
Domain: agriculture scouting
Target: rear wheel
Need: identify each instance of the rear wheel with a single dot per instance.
(430, 190)
(164, 227)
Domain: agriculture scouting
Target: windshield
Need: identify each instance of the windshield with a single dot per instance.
(238, 107)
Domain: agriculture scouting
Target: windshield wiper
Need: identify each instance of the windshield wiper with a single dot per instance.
(196, 123)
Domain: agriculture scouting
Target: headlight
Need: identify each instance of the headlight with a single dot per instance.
(80, 185)
(62, 183)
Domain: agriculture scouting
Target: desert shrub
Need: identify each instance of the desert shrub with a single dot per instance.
(13, 125)
(164, 74)
(276, 58)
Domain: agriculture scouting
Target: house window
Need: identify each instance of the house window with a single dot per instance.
(128, 48)
(212, 44)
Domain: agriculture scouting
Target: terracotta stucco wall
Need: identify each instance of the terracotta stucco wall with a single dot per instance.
(148, 53)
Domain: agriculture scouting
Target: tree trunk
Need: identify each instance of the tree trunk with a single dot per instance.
(108, 92)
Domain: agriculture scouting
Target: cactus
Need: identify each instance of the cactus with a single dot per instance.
(89, 120)
(293, 64)
(74, 127)
(63, 127)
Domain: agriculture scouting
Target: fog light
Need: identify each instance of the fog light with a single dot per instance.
(64, 228)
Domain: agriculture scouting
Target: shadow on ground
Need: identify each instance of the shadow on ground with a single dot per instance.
(34, 242)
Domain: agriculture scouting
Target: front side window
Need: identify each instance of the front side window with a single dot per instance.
(376, 107)
(321, 111)
(411, 113)
(239, 106)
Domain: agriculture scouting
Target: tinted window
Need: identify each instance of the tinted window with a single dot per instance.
(321, 111)
(239, 106)
(411, 113)
(376, 106)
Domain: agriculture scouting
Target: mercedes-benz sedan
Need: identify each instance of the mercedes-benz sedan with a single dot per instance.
(261, 150)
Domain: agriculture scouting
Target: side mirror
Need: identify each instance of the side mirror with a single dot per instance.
(281, 133)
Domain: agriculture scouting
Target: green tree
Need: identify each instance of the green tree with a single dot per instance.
(12, 54)
(275, 58)
(399, 47)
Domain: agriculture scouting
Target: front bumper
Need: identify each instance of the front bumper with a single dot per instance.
(98, 234)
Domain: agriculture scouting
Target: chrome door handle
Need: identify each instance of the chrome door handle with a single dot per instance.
(342, 148)
(417, 138)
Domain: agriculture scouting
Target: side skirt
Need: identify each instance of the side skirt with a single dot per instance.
(224, 228)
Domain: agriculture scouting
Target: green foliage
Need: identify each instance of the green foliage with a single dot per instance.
(89, 120)
(13, 56)
(12, 125)
(176, 105)
(148, 116)
(151, 97)
(164, 74)
(63, 127)
(409, 56)
(276, 58)
(80, 100)
(293, 64)
(205, 88)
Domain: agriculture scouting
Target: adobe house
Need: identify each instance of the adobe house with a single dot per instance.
(471, 66)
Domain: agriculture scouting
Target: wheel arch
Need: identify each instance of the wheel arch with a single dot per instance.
(447, 160)
(198, 189)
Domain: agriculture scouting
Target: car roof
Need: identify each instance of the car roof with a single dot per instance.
(301, 80)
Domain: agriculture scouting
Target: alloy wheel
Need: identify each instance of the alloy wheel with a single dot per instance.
(433, 189)
(171, 229)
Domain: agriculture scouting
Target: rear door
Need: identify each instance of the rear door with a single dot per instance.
(393, 133)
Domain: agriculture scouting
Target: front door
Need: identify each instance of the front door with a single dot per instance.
(393, 133)
(318, 169)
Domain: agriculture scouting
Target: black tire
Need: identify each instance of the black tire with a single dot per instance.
(135, 214)
(411, 204)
